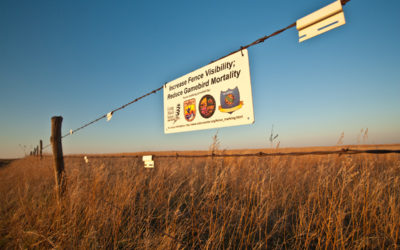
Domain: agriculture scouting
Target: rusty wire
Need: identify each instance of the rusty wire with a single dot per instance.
(344, 2)
(259, 154)
(260, 40)
(113, 111)
(343, 151)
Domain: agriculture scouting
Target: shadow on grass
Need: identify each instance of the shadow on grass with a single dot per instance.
(5, 162)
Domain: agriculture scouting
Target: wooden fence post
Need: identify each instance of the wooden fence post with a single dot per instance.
(40, 148)
(58, 158)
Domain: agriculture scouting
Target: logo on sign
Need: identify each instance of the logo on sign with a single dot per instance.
(190, 109)
(230, 101)
(174, 113)
(207, 106)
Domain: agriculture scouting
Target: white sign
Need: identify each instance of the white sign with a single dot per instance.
(214, 96)
(148, 161)
(321, 21)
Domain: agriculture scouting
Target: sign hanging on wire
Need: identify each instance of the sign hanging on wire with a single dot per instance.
(321, 21)
(216, 95)
(312, 25)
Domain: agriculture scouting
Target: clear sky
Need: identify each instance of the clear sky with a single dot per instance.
(81, 59)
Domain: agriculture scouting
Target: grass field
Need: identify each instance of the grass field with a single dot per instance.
(5, 162)
(330, 201)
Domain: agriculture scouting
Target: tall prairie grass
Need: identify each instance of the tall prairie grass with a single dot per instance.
(347, 201)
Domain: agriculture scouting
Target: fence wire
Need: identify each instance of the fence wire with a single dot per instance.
(258, 41)
(343, 151)
(212, 155)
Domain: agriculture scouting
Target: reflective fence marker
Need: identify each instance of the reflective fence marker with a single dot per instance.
(148, 161)
(321, 21)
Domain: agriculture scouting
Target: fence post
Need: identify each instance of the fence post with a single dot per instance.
(58, 158)
(40, 148)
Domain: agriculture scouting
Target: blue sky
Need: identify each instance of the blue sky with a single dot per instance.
(81, 59)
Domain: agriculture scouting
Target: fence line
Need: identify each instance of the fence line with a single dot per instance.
(258, 41)
(213, 155)
(344, 151)
(113, 111)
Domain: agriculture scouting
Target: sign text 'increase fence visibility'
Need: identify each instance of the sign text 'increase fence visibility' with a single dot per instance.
(216, 95)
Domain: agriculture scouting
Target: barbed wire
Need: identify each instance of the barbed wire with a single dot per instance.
(113, 111)
(262, 39)
(259, 154)
(344, 2)
(258, 41)
(213, 155)
(343, 151)
(263, 154)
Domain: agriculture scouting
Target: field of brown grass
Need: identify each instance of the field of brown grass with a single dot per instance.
(329, 201)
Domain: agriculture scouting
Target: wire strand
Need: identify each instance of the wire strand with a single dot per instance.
(112, 112)
(343, 151)
(259, 154)
(258, 41)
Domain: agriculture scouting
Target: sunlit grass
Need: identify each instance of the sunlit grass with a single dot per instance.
(276, 202)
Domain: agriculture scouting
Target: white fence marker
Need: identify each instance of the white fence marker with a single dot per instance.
(148, 161)
(321, 21)
(109, 116)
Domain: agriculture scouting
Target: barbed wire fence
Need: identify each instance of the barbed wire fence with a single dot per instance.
(258, 41)
(38, 150)
(343, 151)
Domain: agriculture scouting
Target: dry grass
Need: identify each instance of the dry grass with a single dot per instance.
(278, 202)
